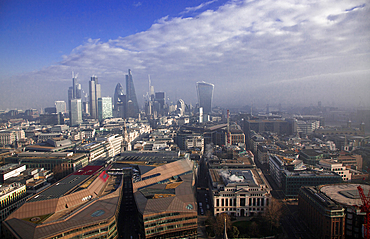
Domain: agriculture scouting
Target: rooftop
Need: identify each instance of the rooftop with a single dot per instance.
(345, 194)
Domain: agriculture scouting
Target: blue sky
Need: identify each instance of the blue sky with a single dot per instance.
(253, 51)
(36, 33)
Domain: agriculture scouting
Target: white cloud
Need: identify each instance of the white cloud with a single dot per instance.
(250, 50)
(200, 6)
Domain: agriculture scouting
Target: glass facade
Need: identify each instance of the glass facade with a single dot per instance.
(132, 105)
(76, 112)
(105, 108)
(205, 95)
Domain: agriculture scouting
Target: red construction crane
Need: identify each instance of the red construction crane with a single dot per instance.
(365, 207)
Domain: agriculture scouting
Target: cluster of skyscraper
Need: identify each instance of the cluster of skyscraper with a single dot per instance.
(98, 107)
(126, 105)
(74, 102)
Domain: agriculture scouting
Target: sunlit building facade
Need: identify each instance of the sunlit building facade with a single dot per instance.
(95, 94)
(105, 108)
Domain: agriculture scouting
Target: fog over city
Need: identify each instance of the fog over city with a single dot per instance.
(254, 52)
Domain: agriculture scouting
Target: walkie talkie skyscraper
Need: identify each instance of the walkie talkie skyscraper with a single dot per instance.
(205, 96)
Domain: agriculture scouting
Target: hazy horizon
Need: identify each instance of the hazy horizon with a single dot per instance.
(254, 52)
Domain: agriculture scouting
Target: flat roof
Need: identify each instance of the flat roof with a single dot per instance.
(65, 185)
(345, 194)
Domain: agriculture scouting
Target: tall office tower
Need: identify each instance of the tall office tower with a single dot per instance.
(119, 102)
(105, 108)
(76, 112)
(85, 107)
(78, 91)
(75, 87)
(61, 106)
(161, 98)
(117, 92)
(132, 105)
(181, 106)
(121, 106)
(70, 97)
(95, 94)
(205, 95)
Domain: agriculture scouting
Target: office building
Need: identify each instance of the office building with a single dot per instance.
(76, 112)
(60, 106)
(8, 137)
(104, 108)
(181, 107)
(160, 101)
(132, 105)
(50, 110)
(205, 96)
(119, 102)
(333, 211)
(95, 94)
(324, 216)
(51, 119)
(117, 92)
(292, 180)
(70, 97)
(165, 201)
(86, 204)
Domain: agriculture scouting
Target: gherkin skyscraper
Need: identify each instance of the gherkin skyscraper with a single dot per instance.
(132, 109)
(119, 102)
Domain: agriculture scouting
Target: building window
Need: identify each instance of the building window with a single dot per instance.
(242, 202)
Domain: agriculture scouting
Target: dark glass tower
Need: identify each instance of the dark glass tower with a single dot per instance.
(95, 94)
(205, 96)
(132, 105)
(119, 102)
(117, 92)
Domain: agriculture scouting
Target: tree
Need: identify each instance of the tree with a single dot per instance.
(219, 225)
(254, 231)
(273, 213)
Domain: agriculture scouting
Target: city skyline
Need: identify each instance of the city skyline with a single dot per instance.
(262, 52)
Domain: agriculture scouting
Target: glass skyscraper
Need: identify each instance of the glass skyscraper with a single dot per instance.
(205, 96)
(95, 94)
(105, 108)
(132, 105)
(76, 112)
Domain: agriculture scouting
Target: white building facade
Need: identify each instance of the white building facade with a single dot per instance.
(239, 192)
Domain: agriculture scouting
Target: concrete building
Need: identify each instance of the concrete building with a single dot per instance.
(61, 163)
(323, 215)
(333, 211)
(11, 170)
(8, 137)
(337, 167)
(12, 196)
(61, 107)
(239, 192)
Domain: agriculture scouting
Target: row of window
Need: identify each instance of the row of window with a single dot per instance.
(242, 202)
(170, 220)
(234, 209)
